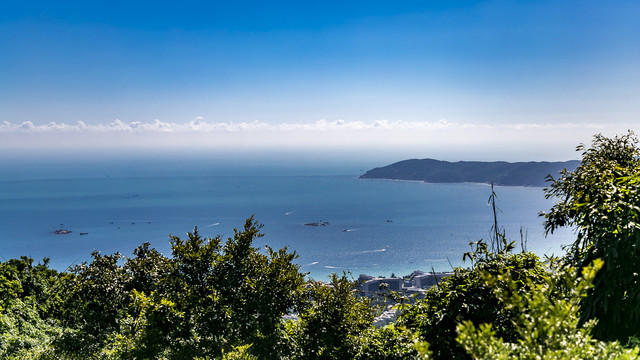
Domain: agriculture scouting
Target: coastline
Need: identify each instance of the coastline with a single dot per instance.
(454, 183)
(499, 173)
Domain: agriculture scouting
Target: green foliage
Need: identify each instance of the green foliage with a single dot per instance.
(465, 296)
(35, 284)
(10, 284)
(601, 199)
(29, 307)
(23, 333)
(210, 298)
(546, 325)
(388, 343)
(217, 296)
(331, 320)
(239, 353)
(96, 298)
(335, 322)
(147, 269)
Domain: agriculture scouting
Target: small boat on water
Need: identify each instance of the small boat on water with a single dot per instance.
(321, 223)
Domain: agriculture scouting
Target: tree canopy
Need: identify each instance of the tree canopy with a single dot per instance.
(601, 200)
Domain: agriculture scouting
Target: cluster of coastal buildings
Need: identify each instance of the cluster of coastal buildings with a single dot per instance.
(416, 283)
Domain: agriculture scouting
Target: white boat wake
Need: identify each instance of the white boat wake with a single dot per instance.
(366, 252)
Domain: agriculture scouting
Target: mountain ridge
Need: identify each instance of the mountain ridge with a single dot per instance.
(532, 173)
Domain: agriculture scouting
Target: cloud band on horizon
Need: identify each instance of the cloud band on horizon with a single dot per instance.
(378, 135)
(199, 125)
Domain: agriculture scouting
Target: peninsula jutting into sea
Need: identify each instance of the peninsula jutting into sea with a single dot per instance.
(497, 172)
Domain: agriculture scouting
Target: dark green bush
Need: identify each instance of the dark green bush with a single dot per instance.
(601, 200)
(465, 296)
(546, 325)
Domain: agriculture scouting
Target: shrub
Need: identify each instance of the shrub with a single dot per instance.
(546, 325)
(601, 200)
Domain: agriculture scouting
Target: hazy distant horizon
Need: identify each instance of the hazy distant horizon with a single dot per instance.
(337, 140)
(452, 80)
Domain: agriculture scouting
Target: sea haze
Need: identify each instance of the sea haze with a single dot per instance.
(377, 227)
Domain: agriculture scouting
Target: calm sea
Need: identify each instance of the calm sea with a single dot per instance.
(376, 227)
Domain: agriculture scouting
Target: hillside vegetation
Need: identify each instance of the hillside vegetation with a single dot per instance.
(498, 173)
(215, 298)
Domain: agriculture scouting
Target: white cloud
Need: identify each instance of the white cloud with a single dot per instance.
(199, 125)
(517, 141)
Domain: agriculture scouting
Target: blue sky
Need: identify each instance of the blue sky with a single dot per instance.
(409, 76)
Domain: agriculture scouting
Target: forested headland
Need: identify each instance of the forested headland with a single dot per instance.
(531, 173)
(215, 298)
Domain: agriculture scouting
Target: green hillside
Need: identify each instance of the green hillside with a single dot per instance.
(498, 172)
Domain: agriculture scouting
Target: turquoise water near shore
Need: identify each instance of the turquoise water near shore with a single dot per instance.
(376, 227)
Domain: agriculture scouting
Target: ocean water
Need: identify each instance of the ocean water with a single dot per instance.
(376, 227)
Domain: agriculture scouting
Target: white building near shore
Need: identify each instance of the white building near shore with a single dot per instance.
(419, 280)
(427, 280)
(373, 285)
